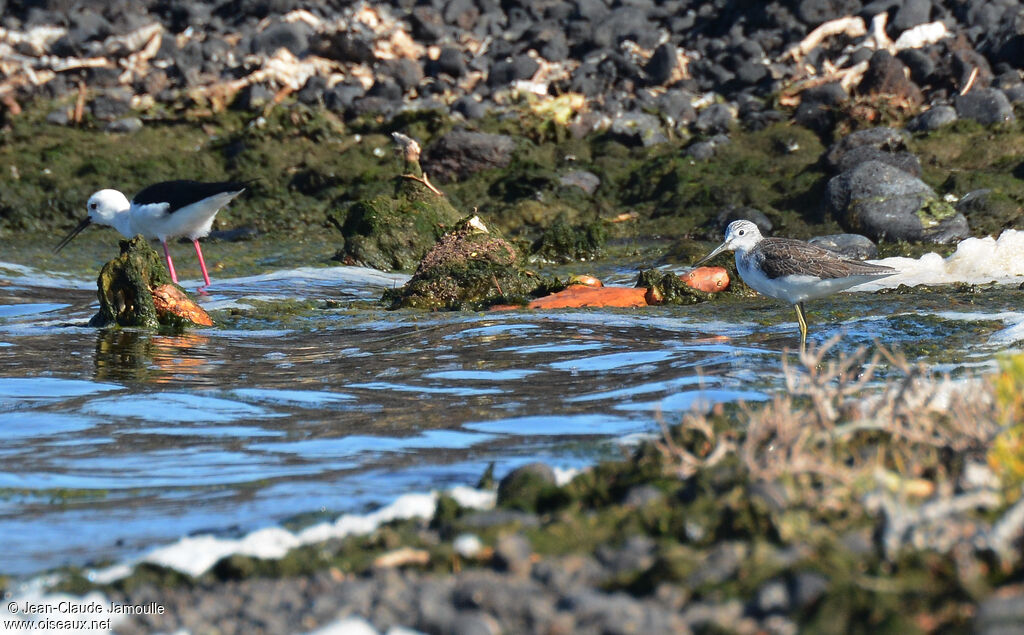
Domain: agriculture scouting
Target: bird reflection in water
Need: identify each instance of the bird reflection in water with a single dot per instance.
(151, 357)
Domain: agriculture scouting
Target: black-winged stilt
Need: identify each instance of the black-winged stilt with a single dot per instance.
(792, 270)
(164, 210)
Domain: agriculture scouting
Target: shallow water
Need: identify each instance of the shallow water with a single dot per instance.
(309, 401)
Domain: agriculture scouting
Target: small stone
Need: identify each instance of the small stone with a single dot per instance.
(125, 125)
(932, 119)
(253, 97)
(512, 554)
(715, 119)
(469, 107)
(586, 181)
(59, 117)
(701, 150)
(522, 486)
(289, 35)
(662, 64)
(986, 106)
(108, 107)
(889, 140)
(450, 61)
(887, 75)
(772, 597)
(807, 588)
(638, 128)
(849, 245)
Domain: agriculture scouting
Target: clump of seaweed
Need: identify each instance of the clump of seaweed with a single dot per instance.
(563, 243)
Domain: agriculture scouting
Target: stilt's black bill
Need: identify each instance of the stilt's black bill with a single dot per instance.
(74, 232)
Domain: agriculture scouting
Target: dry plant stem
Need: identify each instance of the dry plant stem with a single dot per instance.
(683, 462)
(425, 181)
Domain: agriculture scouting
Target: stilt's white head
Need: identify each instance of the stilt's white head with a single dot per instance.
(105, 205)
(740, 235)
(105, 208)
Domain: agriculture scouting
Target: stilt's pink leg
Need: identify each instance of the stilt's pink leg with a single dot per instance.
(170, 263)
(202, 263)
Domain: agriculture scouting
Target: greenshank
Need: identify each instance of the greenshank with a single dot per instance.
(792, 270)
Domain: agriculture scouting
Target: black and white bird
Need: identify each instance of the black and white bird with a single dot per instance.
(792, 270)
(166, 210)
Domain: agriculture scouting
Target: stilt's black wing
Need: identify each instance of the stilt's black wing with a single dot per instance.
(182, 193)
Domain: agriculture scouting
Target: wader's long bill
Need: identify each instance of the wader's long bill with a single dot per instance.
(74, 232)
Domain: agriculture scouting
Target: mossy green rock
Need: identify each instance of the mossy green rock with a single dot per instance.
(468, 269)
(670, 288)
(525, 486)
(562, 242)
(124, 286)
(393, 233)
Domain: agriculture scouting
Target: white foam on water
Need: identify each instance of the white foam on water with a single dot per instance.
(975, 261)
(565, 474)
(340, 273)
(359, 276)
(359, 626)
(194, 555)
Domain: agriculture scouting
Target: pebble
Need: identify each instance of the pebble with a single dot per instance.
(853, 246)
(932, 119)
(986, 106)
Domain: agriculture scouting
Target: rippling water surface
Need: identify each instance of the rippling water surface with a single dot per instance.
(114, 441)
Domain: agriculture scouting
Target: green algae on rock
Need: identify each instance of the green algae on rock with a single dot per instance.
(562, 242)
(393, 233)
(666, 287)
(133, 290)
(469, 269)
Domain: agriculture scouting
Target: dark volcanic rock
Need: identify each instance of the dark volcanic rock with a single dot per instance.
(450, 61)
(814, 12)
(932, 119)
(289, 35)
(109, 107)
(902, 160)
(253, 97)
(911, 13)
(816, 109)
(887, 140)
(461, 152)
(662, 64)
(506, 71)
(986, 106)
(885, 202)
(850, 245)
(345, 46)
(886, 75)
(715, 119)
